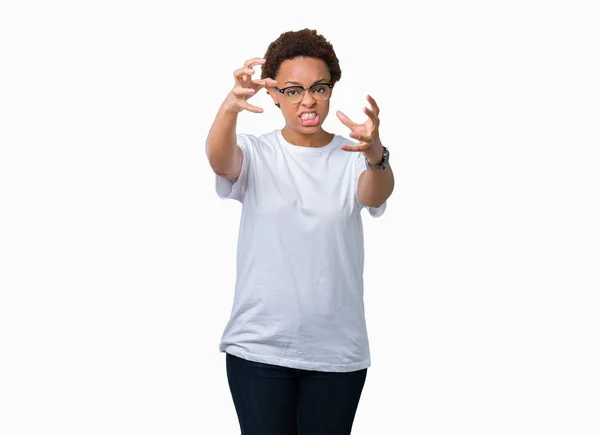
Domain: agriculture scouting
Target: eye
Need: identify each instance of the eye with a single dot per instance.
(291, 92)
(320, 89)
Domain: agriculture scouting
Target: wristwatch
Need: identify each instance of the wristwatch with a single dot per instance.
(384, 160)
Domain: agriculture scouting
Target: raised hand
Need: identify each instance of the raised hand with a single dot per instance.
(245, 87)
(367, 132)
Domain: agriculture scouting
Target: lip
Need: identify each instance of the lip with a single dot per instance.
(309, 122)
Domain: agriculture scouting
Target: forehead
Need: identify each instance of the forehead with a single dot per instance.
(304, 70)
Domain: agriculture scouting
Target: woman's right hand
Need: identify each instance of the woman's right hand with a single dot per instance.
(245, 87)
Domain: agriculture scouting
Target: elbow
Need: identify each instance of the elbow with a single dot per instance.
(373, 202)
(375, 199)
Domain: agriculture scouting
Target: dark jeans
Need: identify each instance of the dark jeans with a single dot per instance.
(275, 400)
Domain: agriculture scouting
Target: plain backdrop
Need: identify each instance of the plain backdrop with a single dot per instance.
(117, 258)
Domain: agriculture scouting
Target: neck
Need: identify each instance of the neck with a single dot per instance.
(312, 140)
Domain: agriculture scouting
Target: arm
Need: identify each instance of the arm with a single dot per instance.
(224, 156)
(374, 185)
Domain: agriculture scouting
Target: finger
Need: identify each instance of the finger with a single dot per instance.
(264, 83)
(345, 120)
(372, 116)
(361, 137)
(355, 148)
(250, 108)
(270, 82)
(241, 71)
(242, 76)
(373, 104)
(242, 92)
(254, 61)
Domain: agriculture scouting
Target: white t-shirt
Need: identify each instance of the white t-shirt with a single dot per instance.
(298, 298)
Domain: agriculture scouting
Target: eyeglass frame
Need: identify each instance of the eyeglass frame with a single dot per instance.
(304, 89)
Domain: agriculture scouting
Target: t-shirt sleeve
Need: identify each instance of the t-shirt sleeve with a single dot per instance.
(359, 167)
(227, 189)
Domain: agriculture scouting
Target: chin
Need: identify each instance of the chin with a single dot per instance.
(308, 129)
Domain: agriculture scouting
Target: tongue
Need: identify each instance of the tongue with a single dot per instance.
(310, 121)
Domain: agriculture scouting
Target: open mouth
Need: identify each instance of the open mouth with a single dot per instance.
(309, 118)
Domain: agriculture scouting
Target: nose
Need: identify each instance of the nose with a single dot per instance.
(307, 101)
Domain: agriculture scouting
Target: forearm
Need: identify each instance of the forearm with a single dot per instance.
(221, 143)
(376, 185)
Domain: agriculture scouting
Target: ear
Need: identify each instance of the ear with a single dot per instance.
(273, 93)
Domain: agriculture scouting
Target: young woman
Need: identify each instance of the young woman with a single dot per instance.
(296, 343)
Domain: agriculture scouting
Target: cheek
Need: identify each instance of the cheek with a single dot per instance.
(324, 110)
(288, 113)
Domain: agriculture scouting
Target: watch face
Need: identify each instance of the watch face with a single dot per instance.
(386, 156)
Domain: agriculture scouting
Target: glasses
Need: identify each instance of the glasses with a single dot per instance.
(295, 94)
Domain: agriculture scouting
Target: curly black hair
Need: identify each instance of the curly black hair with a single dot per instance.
(306, 43)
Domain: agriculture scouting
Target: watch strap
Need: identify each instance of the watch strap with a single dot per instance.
(383, 163)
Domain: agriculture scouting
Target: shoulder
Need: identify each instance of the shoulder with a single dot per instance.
(255, 140)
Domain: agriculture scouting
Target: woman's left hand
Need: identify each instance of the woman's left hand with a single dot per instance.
(367, 133)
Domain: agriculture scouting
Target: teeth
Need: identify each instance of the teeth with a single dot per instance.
(308, 115)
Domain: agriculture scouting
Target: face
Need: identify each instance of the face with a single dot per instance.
(302, 71)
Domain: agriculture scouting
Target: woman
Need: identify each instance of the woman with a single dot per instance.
(296, 343)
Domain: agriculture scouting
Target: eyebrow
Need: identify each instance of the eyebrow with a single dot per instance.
(299, 84)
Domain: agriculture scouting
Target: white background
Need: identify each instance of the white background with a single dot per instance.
(117, 258)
